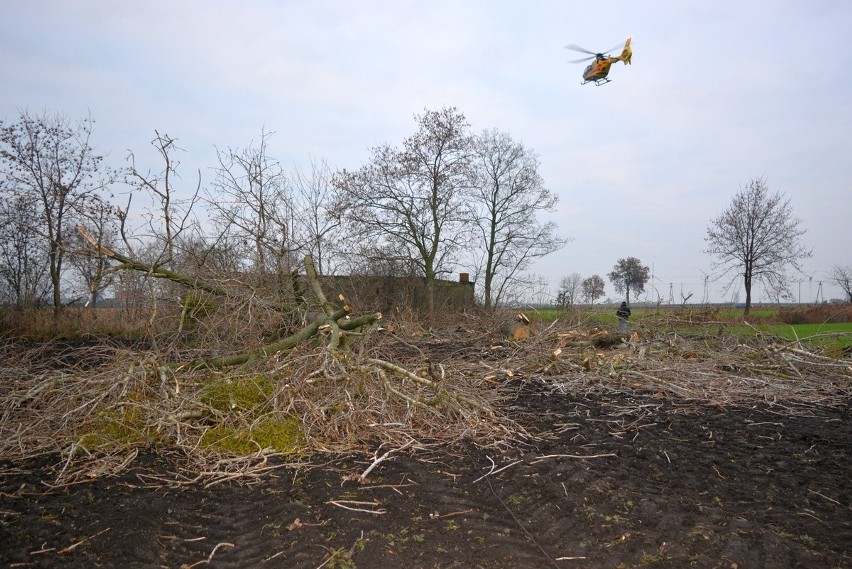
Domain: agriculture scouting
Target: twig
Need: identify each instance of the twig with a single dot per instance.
(341, 504)
(493, 471)
(581, 456)
(74, 546)
(450, 514)
(398, 393)
(429, 383)
(826, 497)
(347, 555)
(210, 557)
(379, 460)
(810, 515)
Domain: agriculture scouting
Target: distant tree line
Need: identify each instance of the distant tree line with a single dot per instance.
(756, 239)
(446, 198)
(627, 275)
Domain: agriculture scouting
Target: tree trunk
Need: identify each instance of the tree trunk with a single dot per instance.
(748, 297)
(747, 284)
(429, 291)
(55, 270)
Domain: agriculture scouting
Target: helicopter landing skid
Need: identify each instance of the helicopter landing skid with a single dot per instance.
(598, 82)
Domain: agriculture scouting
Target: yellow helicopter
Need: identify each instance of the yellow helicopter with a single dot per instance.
(597, 71)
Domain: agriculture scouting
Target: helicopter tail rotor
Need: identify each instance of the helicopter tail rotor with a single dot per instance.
(627, 53)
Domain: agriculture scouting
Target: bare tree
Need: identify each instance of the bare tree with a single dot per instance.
(413, 199)
(508, 194)
(172, 216)
(317, 222)
(24, 266)
(629, 274)
(569, 290)
(51, 160)
(842, 277)
(253, 207)
(170, 219)
(593, 288)
(756, 238)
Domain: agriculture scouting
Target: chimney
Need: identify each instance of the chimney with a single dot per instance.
(464, 277)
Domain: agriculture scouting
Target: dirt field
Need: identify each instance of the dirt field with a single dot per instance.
(612, 480)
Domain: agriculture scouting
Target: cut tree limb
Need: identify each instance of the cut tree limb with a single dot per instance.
(128, 264)
(335, 320)
(271, 349)
(457, 397)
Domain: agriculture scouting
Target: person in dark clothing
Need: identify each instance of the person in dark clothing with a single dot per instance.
(623, 314)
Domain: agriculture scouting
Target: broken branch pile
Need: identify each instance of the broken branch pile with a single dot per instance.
(721, 370)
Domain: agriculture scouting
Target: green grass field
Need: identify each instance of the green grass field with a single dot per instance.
(833, 338)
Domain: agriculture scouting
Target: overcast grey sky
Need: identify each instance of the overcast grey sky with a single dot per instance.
(719, 93)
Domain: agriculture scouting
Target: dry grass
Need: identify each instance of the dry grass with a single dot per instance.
(720, 369)
(97, 404)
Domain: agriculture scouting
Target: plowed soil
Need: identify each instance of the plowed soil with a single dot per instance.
(610, 481)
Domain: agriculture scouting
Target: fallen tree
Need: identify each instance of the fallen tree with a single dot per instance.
(157, 271)
(274, 367)
(335, 320)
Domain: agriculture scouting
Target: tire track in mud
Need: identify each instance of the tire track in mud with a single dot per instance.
(689, 485)
(697, 487)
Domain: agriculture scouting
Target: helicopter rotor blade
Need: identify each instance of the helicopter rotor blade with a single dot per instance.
(580, 49)
(582, 60)
(617, 46)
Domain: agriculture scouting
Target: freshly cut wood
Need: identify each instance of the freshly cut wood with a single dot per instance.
(517, 330)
